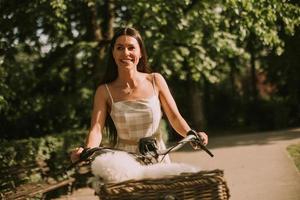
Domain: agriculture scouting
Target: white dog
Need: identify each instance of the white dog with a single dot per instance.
(119, 166)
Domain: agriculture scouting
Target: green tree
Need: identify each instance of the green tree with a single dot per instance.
(53, 53)
(213, 43)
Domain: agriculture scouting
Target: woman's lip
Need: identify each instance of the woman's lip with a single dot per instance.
(126, 60)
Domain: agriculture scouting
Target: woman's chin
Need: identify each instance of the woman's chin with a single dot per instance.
(127, 66)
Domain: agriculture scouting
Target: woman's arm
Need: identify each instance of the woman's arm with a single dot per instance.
(98, 118)
(97, 122)
(170, 108)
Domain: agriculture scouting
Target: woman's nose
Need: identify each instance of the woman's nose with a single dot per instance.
(126, 52)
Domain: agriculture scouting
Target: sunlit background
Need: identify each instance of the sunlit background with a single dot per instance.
(232, 66)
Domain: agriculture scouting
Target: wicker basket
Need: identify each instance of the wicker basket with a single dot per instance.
(202, 185)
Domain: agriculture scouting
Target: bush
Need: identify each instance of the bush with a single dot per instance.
(294, 151)
(53, 149)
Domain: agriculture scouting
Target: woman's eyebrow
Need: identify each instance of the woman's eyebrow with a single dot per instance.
(126, 44)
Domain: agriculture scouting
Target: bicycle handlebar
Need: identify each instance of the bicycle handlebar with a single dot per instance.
(200, 143)
(88, 152)
(192, 137)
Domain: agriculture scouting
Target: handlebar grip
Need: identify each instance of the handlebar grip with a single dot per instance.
(206, 150)
(199, 142)
(88, 152)
(85, 154)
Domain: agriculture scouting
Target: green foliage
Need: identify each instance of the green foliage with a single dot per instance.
(205, 34)
(294, 151)
(46, 84)
(264, 20)
(51, 52)
(53, 150)
(211, 40)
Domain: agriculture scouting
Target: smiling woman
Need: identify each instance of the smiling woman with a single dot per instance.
(132, 97)
(126, 52)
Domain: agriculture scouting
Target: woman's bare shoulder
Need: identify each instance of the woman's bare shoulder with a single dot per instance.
(101, 88)
(158, 78)
(154, 76)
(157, 75)
(101, 91)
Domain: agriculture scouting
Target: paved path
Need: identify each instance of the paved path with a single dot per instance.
(257, 166)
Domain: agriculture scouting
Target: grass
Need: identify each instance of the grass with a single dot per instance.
(294, 151)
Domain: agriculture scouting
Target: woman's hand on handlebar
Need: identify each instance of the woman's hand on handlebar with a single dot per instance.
(203, 136)
(75, 154)
(201, 141)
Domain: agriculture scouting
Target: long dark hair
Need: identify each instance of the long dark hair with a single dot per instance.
(111, 73)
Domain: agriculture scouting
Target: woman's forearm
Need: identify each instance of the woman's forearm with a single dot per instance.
(94, 137)
(180, 126)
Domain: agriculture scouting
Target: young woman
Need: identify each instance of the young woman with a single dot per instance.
(133, 98)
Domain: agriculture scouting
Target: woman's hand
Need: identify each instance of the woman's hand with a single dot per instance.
(75, 154)
(203, 137)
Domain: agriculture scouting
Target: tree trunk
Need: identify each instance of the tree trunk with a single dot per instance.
(198, 120)
(253, 88)
(108, 20)
(103, 33)
(194, 101)
(232, 77)
(95, 26)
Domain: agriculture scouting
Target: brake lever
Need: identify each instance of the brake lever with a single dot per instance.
(199, 142)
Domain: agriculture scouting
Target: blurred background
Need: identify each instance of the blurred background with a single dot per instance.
(231, 65)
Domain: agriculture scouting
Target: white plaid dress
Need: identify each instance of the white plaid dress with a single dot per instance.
(135, 119)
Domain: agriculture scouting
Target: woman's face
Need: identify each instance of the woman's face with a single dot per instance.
(126, 52)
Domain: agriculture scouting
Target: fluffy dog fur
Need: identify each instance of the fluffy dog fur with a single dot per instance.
(120, 166)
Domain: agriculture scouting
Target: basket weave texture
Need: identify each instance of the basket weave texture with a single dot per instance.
(207, 185)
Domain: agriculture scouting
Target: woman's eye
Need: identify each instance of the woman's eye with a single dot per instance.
(119, 48)
(131, 48)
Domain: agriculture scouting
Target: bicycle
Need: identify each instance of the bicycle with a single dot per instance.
(209, 185)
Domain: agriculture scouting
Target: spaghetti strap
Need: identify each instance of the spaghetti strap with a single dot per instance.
(112, 100)
(153, 84)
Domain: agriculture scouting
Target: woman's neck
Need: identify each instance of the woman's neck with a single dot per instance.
(128, 78)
